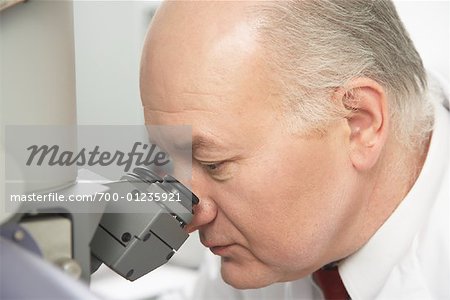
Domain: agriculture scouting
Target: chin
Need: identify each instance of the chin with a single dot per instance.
(246, 275)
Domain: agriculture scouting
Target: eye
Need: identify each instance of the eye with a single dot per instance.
(212, 167)
(220, 171)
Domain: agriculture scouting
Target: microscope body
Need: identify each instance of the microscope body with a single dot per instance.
(131, 243)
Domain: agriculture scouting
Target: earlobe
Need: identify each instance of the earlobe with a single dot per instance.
(365, 99)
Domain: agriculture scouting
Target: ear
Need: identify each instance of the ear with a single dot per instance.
(367, 121)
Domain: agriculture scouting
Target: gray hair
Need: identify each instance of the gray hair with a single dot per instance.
(318, 45)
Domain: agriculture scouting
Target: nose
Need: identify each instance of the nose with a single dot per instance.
(206, 209)
(204, 213)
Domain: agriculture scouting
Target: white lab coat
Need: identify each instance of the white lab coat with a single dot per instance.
(408, 257)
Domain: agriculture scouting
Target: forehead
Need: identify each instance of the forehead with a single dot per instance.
(204, 68)
(194, 52)
(215, 122)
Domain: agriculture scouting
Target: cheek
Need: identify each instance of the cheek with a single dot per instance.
(285, 205)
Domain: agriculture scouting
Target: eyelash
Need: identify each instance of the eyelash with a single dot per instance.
(212, 167)
(219, 171)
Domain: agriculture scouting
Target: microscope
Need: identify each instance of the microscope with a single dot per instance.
(49, 245)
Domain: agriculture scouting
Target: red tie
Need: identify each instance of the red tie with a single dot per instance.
(330, 282)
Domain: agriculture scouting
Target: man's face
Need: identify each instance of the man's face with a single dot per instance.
(273, 204)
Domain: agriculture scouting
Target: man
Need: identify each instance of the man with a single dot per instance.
(316, 145)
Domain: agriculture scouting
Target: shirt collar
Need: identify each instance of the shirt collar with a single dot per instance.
(364, 272)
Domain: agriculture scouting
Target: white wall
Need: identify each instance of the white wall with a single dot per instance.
(108, 41)
(428, 23)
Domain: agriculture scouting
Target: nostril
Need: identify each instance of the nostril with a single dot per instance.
(189, 229)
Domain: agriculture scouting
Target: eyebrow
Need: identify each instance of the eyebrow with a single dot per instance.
(199, 143)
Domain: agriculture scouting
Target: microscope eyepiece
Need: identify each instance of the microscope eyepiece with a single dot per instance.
(181, 188)
(146, 175)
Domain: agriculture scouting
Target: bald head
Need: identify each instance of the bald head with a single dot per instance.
(197, 47)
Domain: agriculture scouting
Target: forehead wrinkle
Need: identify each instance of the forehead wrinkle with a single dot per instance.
(189, 101)
(201, 94)
(182, 110)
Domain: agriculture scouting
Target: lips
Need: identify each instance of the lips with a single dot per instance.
(221, 250)
(216, 247)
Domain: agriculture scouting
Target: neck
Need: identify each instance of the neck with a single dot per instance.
(392, 181)
(383, 191)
